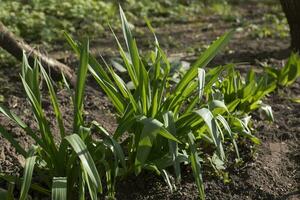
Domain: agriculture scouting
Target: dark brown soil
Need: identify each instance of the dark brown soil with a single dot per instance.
(271, 171)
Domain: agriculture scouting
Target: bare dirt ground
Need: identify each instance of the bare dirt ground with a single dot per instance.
(271, 171)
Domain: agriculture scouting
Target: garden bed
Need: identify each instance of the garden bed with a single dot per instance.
(269, 171)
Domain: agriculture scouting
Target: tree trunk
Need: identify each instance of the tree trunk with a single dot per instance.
(15, 46)
(291, 8)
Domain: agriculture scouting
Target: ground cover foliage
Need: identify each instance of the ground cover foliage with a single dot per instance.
(162, 123)
(44, 21)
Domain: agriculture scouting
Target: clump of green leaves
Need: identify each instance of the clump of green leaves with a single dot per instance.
(75, 163)
(286, 75)
(161, 124)
(244, 95)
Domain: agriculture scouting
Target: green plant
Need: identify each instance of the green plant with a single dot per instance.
(274, 26)
(163, 123)
(45, 20)
(288, 74)
(244, 95)
(66, 162)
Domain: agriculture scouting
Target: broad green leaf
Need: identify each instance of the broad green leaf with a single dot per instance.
(167, 160)
(145, 143)
(251, 76)
(40, 189)
(268, 111)
(293, 69)
(151, 128)
(47, 137)
(81, 185)
(169, 122)
(213, 75)
(226, 126)
(218, 107)
(192, 104)
(31, 76)
(117, 79)
(3, 194)
(159, 127)
(125, 123)
(8, 194)
(143, 89)
(72, 43)
(209, 120)
(59, 188)
(247, 91)
(178, 99)
(232, 105)
(86, 159)
(240, 127)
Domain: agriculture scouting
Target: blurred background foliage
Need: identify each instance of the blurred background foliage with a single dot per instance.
(44, 20)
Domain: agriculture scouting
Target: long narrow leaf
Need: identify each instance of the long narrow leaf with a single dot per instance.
(54, 102)
(79, 92)
(196, 166)
(28, 170)
(203, 60)
(113, 94)
(131, 43)
(201, 81)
